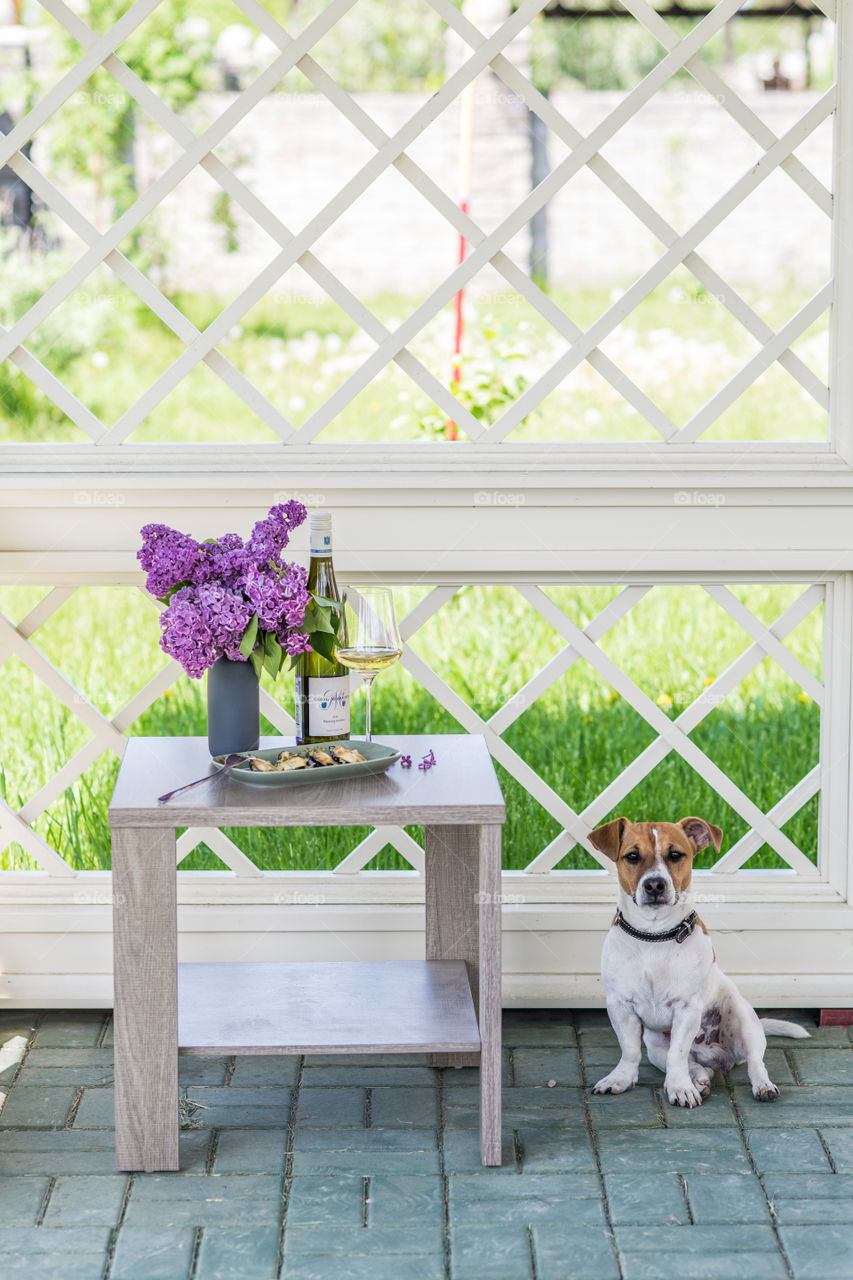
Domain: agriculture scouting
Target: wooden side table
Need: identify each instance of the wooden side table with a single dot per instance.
(447, 1005)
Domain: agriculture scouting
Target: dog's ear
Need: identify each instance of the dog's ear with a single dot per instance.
(702, 833)
(608, 838)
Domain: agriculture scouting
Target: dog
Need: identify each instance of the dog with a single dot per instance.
(660, 973)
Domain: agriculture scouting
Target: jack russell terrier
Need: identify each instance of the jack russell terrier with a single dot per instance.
(660, 972)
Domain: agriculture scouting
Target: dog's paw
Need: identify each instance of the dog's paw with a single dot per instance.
(683, 1095)
(702, 1083)
(765, 1092)
(616, 1082)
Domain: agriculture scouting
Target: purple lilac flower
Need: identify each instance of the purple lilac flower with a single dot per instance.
(271, 535)
(186, 633)
(224, 560)
(227, 614)
(297, 642)
(168, 556)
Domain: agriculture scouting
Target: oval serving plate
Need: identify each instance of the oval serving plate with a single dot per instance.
(377, 759)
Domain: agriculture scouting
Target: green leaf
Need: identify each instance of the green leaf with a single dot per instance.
(323, 643)
(250, 635)
(257, 660)
(272, 654)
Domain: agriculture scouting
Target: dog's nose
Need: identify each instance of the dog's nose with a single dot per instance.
(655, 887)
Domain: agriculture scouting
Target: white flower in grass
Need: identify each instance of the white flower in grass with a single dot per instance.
(276, 360)
(333, 342)
(296, 403)
(100, 359)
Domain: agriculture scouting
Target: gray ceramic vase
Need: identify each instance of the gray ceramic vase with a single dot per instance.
(233, 717)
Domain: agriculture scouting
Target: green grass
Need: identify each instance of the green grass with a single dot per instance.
(680, 346)
(486, 643)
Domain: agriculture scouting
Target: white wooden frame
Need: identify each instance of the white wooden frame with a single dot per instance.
(486, 511)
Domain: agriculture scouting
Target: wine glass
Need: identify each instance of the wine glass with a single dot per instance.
(369, 639)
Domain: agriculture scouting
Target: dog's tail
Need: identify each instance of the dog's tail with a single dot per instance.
(776, 1027)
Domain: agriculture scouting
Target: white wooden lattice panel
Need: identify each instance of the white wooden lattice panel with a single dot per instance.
(484, 51)
(671, 736)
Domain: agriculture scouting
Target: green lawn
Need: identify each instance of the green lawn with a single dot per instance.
(679, 346)
(486, 643)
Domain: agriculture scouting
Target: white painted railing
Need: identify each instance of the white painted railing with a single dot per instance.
(629, 515)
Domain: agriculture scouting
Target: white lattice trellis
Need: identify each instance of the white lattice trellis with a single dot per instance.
(488, 51)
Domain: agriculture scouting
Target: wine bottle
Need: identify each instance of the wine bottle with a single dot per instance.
(322, 686)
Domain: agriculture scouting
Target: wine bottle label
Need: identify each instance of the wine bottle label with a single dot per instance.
(328, 705)
(320, 542)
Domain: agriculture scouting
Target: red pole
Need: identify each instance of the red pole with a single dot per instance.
(466, 140)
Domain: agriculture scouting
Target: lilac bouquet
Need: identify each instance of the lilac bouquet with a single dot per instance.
(227, 598)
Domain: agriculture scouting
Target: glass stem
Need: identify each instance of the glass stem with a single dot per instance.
(369, 677)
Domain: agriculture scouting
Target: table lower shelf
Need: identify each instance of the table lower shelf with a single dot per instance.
(368, 1006)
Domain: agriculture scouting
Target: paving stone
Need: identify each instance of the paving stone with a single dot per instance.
(96, 1110)
(52, 1266)
(404, 1200)
(777, 1068)
(68, 1059)
(822, 1252)
(366, 1151)
(700, 1253)
(536, 1066)
(560, 1151)
(86, 1201)
(782, 1150)
(359, 1077)
(43, 1240)
(637, 1106)
(70, 1029)
(379, 1243)
(537, 1034)
(209, 1071)
(77, 1078)
(37, 1108)
(470, 1076)
(230, 1254)
(256, 1096)
(274, 1069)
(824, 1066)
(366, 1267)
(20, 1200)
(404, 1108)
(563, 1253)
(819, 1037)
(236, 1108)
(155, 1216)
(165, 1187)
(600, 1059)
(725, 1198)
(487, 1252)
(646, 1199)
(715, 1110)
(250, 1151)
(811, 1198)
(326, 1201)
(365, 1059)
(331, 1108)
(808, 1105)
(527, 1198)
(672, 1151)
(522, 1108)
(840, 1143)
(462, 1153)
(145, 1254)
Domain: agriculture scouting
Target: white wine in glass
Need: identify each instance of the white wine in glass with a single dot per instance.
(369, 639)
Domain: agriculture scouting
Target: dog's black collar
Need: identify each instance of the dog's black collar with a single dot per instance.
(680, 932)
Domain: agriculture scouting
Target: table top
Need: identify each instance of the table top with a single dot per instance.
(460, 788)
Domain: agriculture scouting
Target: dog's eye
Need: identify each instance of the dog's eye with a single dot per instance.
(675, 855)
(633, 855)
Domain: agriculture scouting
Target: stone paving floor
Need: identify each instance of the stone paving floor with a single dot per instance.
(368, 1168)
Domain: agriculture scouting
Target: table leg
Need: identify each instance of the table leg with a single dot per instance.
(145, 998)
(463, 922)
